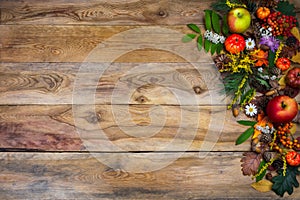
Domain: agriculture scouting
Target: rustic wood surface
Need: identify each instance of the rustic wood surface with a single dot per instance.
(144, 100)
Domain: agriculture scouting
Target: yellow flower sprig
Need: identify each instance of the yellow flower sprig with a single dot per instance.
(248, 98)
(273, 141)
(239, 63)
(278, 51)
(284, 166)
(265, 167)
(233, 5)
(238, 93)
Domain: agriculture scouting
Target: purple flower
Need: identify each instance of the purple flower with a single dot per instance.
(271, 42)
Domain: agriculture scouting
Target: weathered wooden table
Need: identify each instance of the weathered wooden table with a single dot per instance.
(102, 100)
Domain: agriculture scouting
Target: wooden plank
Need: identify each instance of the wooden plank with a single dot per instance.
(48, 43)
(132, 12)
(120, 83)
(83, 176)
(131, 128)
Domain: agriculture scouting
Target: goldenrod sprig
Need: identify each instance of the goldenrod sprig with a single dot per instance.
(233, 5)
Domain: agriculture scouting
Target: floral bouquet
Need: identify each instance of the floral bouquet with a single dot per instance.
(255, 45)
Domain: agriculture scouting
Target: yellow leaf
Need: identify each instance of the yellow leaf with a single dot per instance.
(262, 185)
(293, 129)
(282, 80)
(295, 32)
(296, 58)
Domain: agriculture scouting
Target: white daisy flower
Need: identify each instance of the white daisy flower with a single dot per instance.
(273, 77)
(251, 110)
(250, 44)
(260, 69)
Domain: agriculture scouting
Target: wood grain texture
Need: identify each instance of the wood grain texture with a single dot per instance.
(82, 176)
(133, 12)
(132, 128)
(120, 83)
(155, 97)
(48, 43)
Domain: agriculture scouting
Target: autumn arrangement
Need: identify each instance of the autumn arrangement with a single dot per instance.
(255, 45)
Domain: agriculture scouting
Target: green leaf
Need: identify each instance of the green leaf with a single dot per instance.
(286, 8)
(219, 48)
(261, 176)
(207, 45)
(215, 22)
(199, 42)
(285, 183)
(208, 19)
(271, 58)
(220, 6)
(213, 48)
(246, 97)
(246, 122)
(194, 27)
(188, 37)
(244, 136)
(225, 28)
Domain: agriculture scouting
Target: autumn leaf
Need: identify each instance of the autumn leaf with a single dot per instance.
(261, 58)
(262, 185)
(296, 58)
(295, 32)
(251, 161)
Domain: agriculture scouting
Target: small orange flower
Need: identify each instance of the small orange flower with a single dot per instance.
(261, 58)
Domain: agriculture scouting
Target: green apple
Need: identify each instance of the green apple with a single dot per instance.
(239, 20)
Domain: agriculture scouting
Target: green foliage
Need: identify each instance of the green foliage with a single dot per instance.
(225, 28)
(282, 184)
(219, 48)
(286, 8)
(194, 27)
(208, 19)
(248, 96)
(271, 58)
(188, 37)
(261, 165)
(215, 19)
(232, 82)
(244, 136)
(199, 42)
(246, 122)
(207, 45)
(220, 6)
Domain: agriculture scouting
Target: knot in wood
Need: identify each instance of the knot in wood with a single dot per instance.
(162, 13)
(142, 99)
(197, 90)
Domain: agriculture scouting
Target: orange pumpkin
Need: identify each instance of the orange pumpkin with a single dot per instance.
(235, 43)
(283, 63)
(263, 12)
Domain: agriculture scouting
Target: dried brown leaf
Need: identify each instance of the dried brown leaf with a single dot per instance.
(251, 161)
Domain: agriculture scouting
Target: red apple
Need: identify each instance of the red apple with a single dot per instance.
(282, 109)
(293, 78)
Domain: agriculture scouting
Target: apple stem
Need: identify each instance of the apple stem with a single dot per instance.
(283, 105)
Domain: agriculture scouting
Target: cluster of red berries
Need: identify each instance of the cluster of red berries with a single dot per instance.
(283, 138)
(280, 24)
